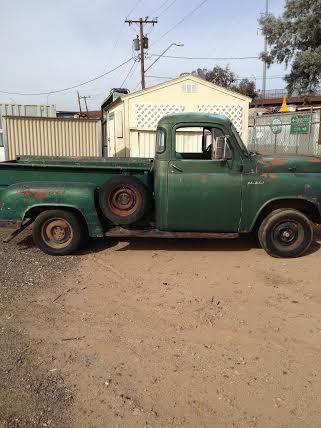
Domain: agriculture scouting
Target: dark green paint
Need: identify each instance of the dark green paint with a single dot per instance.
(190, 195)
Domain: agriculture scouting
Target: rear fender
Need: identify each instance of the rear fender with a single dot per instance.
(18, 200)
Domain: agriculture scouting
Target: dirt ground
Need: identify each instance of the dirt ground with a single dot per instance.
(159, 333)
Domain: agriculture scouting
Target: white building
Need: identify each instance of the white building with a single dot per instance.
(130, 121)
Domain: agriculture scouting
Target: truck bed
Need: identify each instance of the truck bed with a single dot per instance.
(70, 169)
(82, 162)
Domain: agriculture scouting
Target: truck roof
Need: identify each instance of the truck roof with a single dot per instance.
(190, 117)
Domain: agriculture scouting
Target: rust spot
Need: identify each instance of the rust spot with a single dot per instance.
(269, 175)
(315, 160)
(262, 162)
(40, 194)
(307, 186)
(273, 162)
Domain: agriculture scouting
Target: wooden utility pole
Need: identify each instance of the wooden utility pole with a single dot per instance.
(79, 101)
(141, 23)
(83, 97)
(265, 50)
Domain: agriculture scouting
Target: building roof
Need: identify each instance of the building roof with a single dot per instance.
(182, 79)
(87, 114)
(190, 117)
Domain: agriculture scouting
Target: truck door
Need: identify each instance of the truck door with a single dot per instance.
(204, 190)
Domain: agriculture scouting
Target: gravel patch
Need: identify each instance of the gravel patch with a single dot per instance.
(30, 395)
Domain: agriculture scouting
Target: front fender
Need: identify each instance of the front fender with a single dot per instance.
(16, 200)
(283, 203)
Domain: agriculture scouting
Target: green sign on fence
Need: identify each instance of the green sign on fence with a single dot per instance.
(300, 125)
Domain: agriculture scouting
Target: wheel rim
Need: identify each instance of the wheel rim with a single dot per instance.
(57, 233)
(288, 235)
(124, 200)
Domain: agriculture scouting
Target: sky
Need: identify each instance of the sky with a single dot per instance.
(50, 45)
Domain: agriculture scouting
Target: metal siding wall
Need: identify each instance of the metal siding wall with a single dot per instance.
(37, 110)
(52, 137)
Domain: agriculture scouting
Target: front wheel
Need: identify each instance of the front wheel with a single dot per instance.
(286, 233)
(57, 232)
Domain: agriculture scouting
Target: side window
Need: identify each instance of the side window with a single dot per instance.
(201, 143)
(160, 140)
(1, 138)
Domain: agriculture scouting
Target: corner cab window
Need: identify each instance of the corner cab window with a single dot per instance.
(1, 138)
(160, 140)
(202, 143)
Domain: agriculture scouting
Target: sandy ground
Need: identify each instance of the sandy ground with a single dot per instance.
(159, 333)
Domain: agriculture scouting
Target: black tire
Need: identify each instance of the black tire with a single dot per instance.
(58, 232)
(286, 233)
(124, 200)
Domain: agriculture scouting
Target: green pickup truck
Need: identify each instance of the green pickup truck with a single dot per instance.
(202, 183)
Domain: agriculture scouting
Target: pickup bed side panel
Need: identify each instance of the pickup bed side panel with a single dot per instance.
(16, 200)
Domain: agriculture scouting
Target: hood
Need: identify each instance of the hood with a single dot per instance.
(288, 164)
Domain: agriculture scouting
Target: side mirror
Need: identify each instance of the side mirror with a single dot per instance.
(222, 149)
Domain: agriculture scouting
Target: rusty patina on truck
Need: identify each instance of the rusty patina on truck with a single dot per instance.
(215, 189)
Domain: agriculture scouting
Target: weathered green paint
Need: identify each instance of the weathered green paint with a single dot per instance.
(61, 182)
(190, 195)
(28, 196)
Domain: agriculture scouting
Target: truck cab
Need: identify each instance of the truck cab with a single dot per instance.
(198, 174)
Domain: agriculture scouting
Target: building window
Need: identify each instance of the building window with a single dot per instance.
(189, 88)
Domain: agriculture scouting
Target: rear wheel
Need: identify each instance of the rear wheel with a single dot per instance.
(286, 233)
(58, 232)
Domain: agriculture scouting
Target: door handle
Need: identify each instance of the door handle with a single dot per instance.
(177, 168)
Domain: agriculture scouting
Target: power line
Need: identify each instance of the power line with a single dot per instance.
(128, 74)
(166, 8)
(209, 58)
(122, 28)
(182, 20)
(70, 87)
(160, 77)
(160, 7)
(239, 78)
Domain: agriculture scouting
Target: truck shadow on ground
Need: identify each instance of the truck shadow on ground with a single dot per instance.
(243, 243)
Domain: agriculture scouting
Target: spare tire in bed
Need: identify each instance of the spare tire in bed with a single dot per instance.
(124, 200)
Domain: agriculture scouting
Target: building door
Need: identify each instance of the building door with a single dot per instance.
(111, 136)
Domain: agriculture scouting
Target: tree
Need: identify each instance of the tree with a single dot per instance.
(246, 87)
(223, 76)
(295, 38)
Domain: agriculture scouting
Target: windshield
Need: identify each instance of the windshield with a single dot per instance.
(240, 141)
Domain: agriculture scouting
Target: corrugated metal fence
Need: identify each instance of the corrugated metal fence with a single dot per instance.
(52, 137)
(292, 133)
(38, 110)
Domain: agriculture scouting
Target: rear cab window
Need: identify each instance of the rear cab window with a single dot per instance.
(160, 140)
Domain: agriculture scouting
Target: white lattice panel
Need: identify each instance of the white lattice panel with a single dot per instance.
(233, 112)
(148, 115)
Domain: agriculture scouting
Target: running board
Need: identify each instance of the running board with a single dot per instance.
(120, 232)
